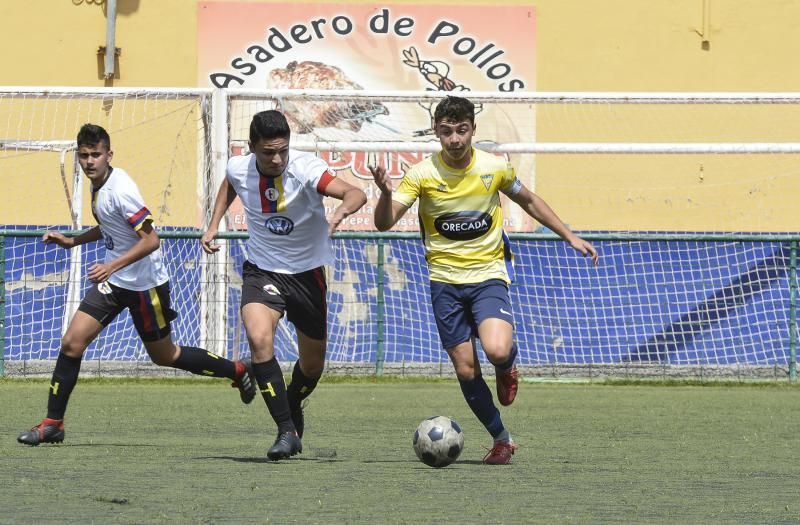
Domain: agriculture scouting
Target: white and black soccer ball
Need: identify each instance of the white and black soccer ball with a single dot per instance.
(438, 441)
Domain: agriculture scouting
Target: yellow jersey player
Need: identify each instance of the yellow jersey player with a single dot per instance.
(467, 252)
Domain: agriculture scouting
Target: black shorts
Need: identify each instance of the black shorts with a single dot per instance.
(150, 309)
(301, 295)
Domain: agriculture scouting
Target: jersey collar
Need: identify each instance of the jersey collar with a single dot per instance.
(450, 168)
(105, 179)
(260, 174)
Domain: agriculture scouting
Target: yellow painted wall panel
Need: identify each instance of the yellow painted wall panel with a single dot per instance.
(582, 45)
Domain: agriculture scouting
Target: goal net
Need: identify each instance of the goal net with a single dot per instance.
(161, 138)
(688, 198)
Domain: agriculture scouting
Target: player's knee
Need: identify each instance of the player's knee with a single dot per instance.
(163, 353)
(261, 352)
(497, 352)
(465, 372)
(161, 359)
(261, 342)
(314, 370)
(72, 347)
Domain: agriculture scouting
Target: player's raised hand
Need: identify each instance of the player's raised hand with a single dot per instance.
(586, 248)
(383, 181)
(207, 241)
(352, 197)
(59, 239)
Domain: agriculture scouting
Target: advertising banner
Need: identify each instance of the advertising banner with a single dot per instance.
(451, 48)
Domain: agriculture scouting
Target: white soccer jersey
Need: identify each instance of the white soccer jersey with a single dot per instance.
(119, 209)
(285, 215)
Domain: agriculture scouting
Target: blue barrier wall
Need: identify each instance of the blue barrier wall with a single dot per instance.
(677, 302)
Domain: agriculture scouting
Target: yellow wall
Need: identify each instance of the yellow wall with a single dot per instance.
(582, 45)
(594, 45)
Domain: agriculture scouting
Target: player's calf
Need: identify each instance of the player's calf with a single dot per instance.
(296, 408)
(507, 385)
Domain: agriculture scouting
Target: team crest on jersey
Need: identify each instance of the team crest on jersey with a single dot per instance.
(279, 225)
(441, 187)
(109, 242)
(272, 194)
(487, 180)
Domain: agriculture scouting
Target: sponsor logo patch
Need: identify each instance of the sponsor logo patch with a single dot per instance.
(279, 225)
(271, 289)
(463, 225)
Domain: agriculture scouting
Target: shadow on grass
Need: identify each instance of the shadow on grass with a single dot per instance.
(451, 465)
(108, 445)
(264, 459)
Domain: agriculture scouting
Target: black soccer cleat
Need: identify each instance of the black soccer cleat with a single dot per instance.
(48, 431)
(245, 381)
(286, 445)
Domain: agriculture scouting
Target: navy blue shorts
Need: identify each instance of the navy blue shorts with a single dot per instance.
(460, 308)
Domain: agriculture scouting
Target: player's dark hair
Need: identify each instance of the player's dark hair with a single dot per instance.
(92, 135)
(269, 124)
(455, 109)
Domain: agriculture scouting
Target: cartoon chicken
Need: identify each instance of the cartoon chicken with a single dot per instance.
(436, 73)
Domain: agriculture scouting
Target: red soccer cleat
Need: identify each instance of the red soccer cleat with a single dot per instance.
(500, 453)
(245, 381)
(507, 384)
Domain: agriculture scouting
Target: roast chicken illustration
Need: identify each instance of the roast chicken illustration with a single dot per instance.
(304, 117)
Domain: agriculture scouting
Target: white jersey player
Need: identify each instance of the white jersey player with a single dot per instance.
(281, 190)
(131, 276)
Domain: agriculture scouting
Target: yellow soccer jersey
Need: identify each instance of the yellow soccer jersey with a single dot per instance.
(460, 215)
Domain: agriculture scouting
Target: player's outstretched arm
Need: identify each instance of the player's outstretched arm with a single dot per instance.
(225, 196)
(537, 208)
(92, 234)
(352, 200)
(148, 243)
(387, 211)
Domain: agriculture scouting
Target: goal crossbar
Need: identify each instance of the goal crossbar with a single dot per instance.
(729, 148)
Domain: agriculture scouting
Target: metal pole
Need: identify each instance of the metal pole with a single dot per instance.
(793, 312)
(379, 307)
(214, 299)
(111, 38)
(75, 255)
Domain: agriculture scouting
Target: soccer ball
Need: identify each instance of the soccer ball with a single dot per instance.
(438, 441)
